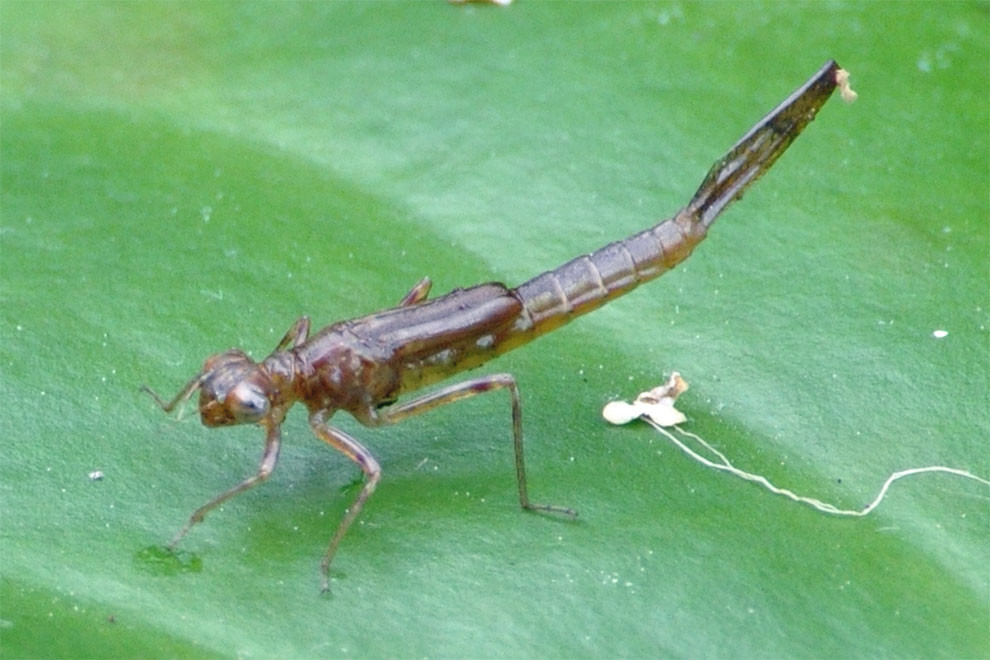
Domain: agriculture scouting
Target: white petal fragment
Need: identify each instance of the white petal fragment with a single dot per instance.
(845, 91)
(656, 404)
(620, 412)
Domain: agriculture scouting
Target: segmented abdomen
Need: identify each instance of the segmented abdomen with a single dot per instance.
(589, 281)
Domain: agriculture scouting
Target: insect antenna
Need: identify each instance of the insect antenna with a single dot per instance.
(182, 396)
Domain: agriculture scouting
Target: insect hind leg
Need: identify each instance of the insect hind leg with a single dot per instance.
(467, 389)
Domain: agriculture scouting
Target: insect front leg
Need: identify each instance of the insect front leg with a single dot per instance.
(268, 461)
(355, 451)
(471, 388)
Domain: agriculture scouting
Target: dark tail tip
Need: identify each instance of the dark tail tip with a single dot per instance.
(757, 151)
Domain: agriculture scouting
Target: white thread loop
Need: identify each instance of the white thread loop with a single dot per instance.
(656, 408)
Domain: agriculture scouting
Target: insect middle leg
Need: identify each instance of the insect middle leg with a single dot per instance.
(355, 451)
(467, 389)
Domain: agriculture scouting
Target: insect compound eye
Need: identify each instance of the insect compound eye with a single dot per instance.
(247, 403)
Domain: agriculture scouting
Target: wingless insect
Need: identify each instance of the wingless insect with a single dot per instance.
(362, 366)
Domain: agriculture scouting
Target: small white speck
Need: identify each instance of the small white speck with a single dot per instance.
(939, 334)
(96, 475)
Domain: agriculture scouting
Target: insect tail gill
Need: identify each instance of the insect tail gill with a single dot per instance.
(756, 151)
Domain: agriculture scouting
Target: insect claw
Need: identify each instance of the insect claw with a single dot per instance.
(552, 508)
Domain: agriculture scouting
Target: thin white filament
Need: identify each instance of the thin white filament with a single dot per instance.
(726, 466)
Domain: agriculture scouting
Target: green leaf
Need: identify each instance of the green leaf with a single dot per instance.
(182, 178)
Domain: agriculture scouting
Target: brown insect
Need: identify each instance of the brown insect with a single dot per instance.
(362, 366)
